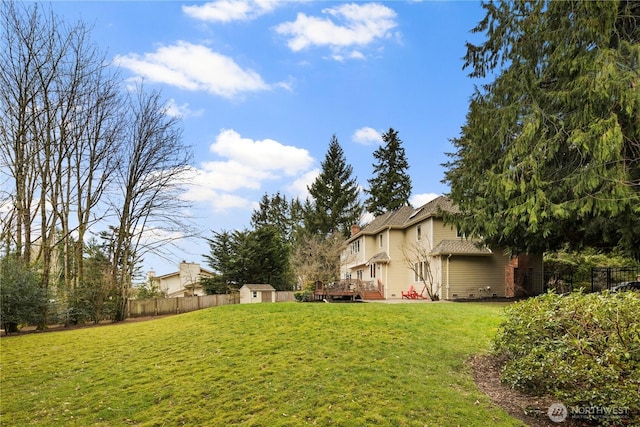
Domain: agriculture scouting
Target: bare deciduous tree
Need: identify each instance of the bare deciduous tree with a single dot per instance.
(152, 168)
(61, 122)
(318, 259)
(416, 257)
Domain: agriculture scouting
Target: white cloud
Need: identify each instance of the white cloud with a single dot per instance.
(175, 110)
(367, 136)
(366, 218)
(229, 10)
(205, 185)
(245, 164)
(229, 176)
(418, 200)
(342, 27)
(262, 155)
(194, 67)
(224, 201)
(151, 236)
(299, 187)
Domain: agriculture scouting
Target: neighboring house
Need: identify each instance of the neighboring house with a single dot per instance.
(183, 283)
(407, 247)
(257, 293)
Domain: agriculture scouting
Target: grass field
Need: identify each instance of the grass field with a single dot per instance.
(282, 364)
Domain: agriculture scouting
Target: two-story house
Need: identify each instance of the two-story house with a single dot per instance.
(412, 248)
(182, 283)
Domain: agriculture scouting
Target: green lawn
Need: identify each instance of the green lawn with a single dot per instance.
(279, 364)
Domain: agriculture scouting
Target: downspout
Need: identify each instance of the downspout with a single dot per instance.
(448, 275)
(387, 249)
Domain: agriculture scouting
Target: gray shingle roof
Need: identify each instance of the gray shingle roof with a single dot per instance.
(380, 258)
(406, 216)
(460, 247)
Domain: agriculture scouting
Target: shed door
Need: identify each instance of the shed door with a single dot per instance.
(266, 296)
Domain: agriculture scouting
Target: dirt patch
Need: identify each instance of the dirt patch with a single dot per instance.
(531, 410)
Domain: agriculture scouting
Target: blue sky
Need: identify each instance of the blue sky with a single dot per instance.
(262, 86)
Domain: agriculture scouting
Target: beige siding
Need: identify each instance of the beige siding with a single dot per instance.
(442, 231)
(469, 276)
(395, 272)
(457, 276)
(350, 260)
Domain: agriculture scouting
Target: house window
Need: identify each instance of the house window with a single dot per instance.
(460, 234)
(418, 232)
(420, 270)
(380, 240)
(355, 247)
(359, 274)
(372, 271)
(255, 294)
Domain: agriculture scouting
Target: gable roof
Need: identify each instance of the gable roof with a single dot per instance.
(379, 258)
(259, 287)
(203, 272)
(460, 247)
(407, 216)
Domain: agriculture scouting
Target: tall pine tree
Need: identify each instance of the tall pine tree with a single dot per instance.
(335, 194)
(550, 151)
(390, 187)
(280, 213)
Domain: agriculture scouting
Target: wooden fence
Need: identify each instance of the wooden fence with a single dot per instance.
(285, 296)
(162, 306)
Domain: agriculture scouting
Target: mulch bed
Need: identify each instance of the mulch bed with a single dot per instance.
(531, 410)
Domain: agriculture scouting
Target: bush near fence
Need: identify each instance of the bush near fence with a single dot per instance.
(163, 306)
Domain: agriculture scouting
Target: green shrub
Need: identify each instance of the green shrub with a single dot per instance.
(303, 296)
(23, 301)
(583, 349)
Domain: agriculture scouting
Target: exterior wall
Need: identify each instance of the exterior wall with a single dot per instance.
(524, 276)
(455, 277)
(171, 285)
(351, 261)
(246, 296)
(185, 282)
(474, 276)
(190, 277)
(401, 276)
(442, 231)
(395, 271)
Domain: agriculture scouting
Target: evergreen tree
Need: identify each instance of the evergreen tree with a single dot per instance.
(335, 204)
(241, 257)
(280, 213)
(268, 259)
(390, 187)
(550, 151)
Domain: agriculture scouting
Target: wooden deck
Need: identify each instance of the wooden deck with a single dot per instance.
(349, 290)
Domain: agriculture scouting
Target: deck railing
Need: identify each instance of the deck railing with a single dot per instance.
(349, 287)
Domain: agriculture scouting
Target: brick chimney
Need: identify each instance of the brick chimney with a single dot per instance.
(355, 229)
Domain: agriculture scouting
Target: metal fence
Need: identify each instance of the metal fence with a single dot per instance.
(606, 277)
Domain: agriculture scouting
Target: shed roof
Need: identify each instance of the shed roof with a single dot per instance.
(460, 247)
(259, 287)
